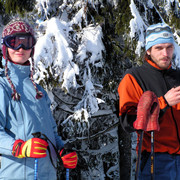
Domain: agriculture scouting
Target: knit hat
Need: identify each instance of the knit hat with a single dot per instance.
(18, 26)
(158, 34)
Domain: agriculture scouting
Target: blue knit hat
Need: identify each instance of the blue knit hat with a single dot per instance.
(158, 34)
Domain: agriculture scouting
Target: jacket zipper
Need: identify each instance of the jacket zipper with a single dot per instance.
(24, 136)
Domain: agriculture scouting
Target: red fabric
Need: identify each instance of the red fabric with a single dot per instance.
(34, 148)
(69, 159)
(17, 147)
(147, 113)
(17, 27)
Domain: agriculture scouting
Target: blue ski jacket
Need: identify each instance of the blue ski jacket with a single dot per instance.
(19, 119)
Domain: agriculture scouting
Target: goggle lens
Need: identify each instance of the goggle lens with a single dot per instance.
(19, 41)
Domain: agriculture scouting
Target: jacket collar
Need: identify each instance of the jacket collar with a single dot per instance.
(17, 70)
(155, 65)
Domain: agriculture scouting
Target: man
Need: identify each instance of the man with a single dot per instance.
(156, 75)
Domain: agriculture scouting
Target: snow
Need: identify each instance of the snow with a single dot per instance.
(137, 25)
(168, 5)
(53, 53)
(53, 50)
(91, 42)
(78, 17)
(150, 4)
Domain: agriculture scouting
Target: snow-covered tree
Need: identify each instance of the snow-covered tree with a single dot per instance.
(69, 58)
(83, 48)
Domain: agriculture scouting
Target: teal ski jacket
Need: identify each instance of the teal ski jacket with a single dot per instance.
(19, 119)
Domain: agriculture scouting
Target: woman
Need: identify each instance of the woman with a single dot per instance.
(25, 115)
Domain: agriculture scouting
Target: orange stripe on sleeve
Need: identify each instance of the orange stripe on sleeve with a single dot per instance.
(162, 102)
(129, 94)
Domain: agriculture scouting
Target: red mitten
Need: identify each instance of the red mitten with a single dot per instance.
(34, 148)
(69, 158)
(147, 113)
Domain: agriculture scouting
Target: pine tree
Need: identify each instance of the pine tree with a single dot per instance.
(18, 6)
(92, 137)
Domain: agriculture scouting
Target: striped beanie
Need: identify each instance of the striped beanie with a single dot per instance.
(158, 34)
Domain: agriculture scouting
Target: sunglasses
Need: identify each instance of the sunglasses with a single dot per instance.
(18, 41)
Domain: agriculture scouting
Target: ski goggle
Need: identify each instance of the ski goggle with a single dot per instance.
(18, 41)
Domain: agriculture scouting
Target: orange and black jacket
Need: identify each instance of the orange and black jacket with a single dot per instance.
(149, 77)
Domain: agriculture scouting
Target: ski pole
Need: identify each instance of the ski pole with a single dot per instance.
(147, 120)
(152, 155)
(35, 169)
(67, 174)
(36, 135)
(141, 132)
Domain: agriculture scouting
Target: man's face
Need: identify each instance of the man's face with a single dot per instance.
(161, 54)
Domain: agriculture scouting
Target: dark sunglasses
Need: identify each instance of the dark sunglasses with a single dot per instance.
(18, 41)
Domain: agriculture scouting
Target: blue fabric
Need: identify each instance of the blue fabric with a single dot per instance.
(158, 34)
(167, 167)
(18, 120)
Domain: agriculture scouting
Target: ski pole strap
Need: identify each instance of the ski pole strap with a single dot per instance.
(51, 157)
(55, 149)
(38, 135)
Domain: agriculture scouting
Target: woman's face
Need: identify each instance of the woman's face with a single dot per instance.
(19, 56)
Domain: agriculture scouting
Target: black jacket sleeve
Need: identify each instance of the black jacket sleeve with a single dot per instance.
(127, 121)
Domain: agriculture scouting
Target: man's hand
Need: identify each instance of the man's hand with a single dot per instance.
(173, 96)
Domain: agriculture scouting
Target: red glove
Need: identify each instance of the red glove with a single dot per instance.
(69, 158)
(147, 113)
(34, 148)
